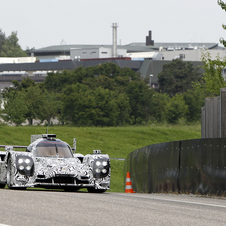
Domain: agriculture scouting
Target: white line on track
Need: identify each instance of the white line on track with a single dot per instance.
(4, 225)
(173, 200)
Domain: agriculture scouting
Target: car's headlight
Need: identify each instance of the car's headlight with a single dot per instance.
(21, 167)
(25, 165)
(27, 161)
(104, 171)
(20, 161)
(101, 167)
(28, 167)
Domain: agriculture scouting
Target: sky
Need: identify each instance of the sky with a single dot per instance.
(44, 23)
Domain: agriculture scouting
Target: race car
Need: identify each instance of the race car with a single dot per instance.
(49, 162)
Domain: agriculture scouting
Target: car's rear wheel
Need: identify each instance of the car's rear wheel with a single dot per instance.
(93, 190)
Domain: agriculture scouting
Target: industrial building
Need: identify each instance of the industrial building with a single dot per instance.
(148, 58)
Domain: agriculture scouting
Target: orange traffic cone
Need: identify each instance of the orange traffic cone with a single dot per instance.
(129, 188)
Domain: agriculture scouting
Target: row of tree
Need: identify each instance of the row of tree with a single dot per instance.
(105, 95)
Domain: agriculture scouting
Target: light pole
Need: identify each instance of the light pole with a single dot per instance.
(150, 78)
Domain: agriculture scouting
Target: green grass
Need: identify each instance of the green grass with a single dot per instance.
(118, 142)
(117, 172)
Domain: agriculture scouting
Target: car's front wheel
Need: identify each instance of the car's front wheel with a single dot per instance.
(71, 189)
(93, 190)
(2, 185)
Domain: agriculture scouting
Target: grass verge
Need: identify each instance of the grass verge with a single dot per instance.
(117, 142)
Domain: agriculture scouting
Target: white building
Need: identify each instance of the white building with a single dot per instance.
(95, 53)
(17, 60)
(193, 54)
(145, 56)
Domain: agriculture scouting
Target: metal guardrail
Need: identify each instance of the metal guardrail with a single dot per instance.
(189, 166)
(120, 159)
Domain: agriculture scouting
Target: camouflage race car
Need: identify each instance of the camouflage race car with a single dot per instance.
(49, 162)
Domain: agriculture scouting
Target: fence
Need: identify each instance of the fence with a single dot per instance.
(189, 166)
(213, 116)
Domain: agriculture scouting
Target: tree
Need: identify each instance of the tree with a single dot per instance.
(109, 76)
(33, 97)
(194, 99)
(56, 82)
(158, 104)
(147, 108)
(213, 80)
(176, 77)
(40, 103)
(24, 84)
(175, 109)
(105, 82)
(14, 108)
(123, 107)
(101, 107)
(137, 93)
(29, 49)
(50, 106)
(105, 107)
(34, 101)
(78, 105)
(11, 48)
(223, 6)
(2, 40)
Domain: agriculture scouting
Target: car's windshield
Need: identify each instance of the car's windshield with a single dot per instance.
(52, 149)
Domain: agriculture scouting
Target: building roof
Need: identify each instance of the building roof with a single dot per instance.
(132, 47)
(166, 45)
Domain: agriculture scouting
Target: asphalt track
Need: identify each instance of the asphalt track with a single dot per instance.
(38, 207)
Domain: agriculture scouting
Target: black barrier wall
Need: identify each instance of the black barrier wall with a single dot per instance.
(189, 166)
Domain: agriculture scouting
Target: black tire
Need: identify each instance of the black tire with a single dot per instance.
(71, 189)
(19, 188)
(93, 190)
(2, 185)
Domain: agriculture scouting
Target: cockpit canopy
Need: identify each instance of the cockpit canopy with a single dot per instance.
(51, 148)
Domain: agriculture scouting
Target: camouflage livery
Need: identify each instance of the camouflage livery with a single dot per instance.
(49, 163)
